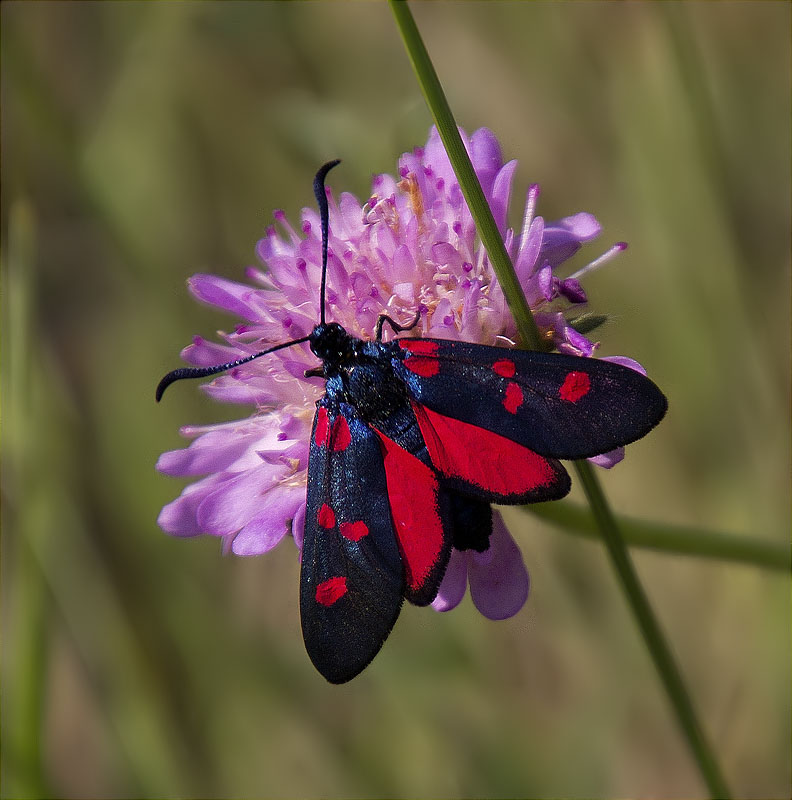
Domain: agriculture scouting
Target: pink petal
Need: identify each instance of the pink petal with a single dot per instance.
(501, 193)
(180, 516)
(581, 226)
(202, 353)
(212, 452)
(228, 389)
(276, 509)
(236, 502)
(485, 153)
(631, 363)
(436, 159)
(530, 246)
(454, 583)
(350, 216)
(298, 526)
(403, 265)
(499, 581)
(236, 298)
(609, 459)
(445, 254)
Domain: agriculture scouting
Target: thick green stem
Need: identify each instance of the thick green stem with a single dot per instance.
(466, 175)
(501, 264)
(652, 634)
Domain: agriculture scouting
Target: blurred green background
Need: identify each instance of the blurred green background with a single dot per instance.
(143, 142)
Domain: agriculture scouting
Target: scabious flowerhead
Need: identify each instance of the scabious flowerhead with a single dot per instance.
(410, 247)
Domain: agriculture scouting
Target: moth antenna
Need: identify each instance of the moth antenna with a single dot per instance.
(203, 372)
(321, 200)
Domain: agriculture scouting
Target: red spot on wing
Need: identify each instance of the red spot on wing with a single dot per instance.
(326, 517)
(481, 457)
(354, 531)
(575, 386)
(412, 495)
(340, 436)
(425, 367)
(504, 367)
(513, 399)
(331, 590)
(321, 430)
(419, 347)
(421, 358)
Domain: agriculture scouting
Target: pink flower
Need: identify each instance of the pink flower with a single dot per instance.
(412, 245)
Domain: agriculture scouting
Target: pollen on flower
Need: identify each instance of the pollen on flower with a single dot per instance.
(409, 185)
(381, 210)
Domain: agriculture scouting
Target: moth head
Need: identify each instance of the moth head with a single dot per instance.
(330, 342)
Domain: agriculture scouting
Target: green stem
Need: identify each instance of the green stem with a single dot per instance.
(653, 636)
(673, 539)
(466, 175)
(501, 264)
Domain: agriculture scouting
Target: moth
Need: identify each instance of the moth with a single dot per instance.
(412, 442)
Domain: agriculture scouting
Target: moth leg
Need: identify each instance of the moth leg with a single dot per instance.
(395, 325)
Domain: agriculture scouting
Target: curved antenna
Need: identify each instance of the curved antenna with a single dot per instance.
(203, 372)
(321, 200)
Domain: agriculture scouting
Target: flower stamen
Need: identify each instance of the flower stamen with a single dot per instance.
(598, 262)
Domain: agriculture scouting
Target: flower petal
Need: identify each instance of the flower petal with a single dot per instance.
(631, 363)
(609, 459)
(485, 153)
(454, 583)
(229, 508)
(499, 581)
(501, 193)
(298, 526)
(180, 516)
(530, 246)
(212, 452)
(229, 389)
(572, 290)
(582, 227)
(236, 298)
(201, 353)
(276, 509)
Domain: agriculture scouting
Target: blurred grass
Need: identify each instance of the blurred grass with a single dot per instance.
(144, 142)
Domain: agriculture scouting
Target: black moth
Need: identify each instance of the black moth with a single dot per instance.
(411, 443)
